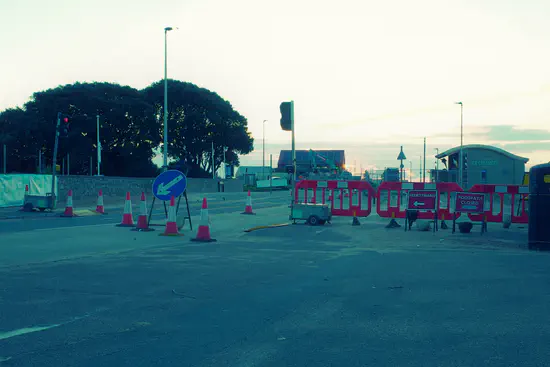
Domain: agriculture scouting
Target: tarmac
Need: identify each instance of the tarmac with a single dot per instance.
(82, 292)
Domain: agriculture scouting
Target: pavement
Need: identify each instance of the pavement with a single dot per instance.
(82, 292)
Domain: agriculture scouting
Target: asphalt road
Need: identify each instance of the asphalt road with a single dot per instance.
(37, 220)
(292, 296)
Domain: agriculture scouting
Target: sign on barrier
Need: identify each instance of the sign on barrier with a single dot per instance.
(345, 198)
(471, 203)
(422, 199)
(392, 198)
(501, 200)
(468, 202)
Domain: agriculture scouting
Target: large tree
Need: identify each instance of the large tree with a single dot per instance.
(128, 131)
(197, 118)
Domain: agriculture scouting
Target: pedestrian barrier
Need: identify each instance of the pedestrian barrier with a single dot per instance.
(392, 199)
(345, 198)
(501, 200)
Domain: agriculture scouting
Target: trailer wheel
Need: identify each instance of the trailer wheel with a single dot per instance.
(313, 220)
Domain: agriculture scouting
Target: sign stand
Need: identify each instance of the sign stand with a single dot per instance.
(177, 210)
(171, 183)
(468, 202)
(421, 200)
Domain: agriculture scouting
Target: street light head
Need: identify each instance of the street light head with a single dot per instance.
(168, 29)
(458, 103)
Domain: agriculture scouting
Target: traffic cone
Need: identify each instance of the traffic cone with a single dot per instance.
(355, 221)
(248, 207)
(100, 208)
(171, 225)
(69, 206)
(203, 233)
(142, 225)
(127, 220)
(393, 223)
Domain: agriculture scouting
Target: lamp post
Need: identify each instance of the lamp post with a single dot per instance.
(263, 151)
(436, 165)
(165, 111)
(460, 156)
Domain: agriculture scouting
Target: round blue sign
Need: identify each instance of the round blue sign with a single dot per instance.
(168, 184)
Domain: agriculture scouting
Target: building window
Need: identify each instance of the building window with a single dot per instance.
(484, 176)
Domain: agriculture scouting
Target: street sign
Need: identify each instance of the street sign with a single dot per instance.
(168, 184)
(422, 199)
(467, 202)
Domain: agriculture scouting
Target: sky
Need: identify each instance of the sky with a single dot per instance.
(366, 76)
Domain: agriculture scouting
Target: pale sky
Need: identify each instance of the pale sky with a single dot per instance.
(366, 76)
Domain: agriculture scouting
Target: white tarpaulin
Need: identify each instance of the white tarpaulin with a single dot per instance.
(12, 187)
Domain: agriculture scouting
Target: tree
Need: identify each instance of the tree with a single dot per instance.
(197, 118)
(128, 130)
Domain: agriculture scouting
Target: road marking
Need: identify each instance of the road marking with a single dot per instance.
(26, 330)
(65, 227)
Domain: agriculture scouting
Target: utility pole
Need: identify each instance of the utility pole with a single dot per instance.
(437, 165)
(263, 151)
(411, 171)
(224, 168)
(293, 146)
(270, 174)
(420, 169)
(213, 170)
(40, 161)
(68, 164)
(4, 158)
(98, 150)
(460, 158)
(424, 172)
(165, 111)
(54, 160)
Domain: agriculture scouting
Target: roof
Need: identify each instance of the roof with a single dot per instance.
(251, 170)
(481, 146)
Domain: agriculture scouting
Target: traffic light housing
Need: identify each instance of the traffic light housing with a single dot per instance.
(286, 115)
(64, 126)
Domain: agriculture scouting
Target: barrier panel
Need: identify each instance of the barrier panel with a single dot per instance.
(392, 199)
(500, 200)
(344, 197)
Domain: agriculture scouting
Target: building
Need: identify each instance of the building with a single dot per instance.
(483, 164)
(259, 172)
(303, 159)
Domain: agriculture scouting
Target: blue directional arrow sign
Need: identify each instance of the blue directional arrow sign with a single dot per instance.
(168, 184)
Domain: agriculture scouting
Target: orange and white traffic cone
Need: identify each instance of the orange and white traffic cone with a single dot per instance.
(69, 206)
(100, 208)
(127, 220)
(171, 225)
(142, 225)
(203, 233)
(248, 207)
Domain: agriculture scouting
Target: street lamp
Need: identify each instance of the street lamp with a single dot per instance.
(460, 158)
(436, 165)
(165, 112)
(263, 151)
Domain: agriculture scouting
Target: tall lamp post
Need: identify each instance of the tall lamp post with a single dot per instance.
(436, 165)
(165, 111)
(460, 156)
(263, 151)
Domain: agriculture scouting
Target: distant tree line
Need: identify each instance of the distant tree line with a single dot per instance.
(131, 129)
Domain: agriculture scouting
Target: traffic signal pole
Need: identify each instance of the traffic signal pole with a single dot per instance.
(54, 164)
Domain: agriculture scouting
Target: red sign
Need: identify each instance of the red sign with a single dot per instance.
(422, 199)
(467, 202)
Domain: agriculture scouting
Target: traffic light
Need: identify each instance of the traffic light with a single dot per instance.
(64, 126)
(286, 115)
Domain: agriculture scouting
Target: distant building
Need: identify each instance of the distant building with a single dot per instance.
(391, 175)
(303, 159)
(259, 172)
(483, 164)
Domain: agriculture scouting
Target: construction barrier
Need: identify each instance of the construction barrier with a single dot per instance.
(345, 198)
(501, 200)
(392, 199)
